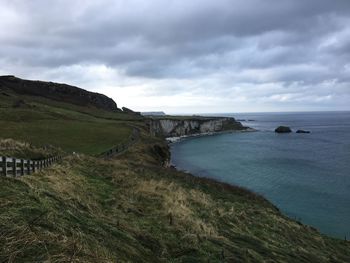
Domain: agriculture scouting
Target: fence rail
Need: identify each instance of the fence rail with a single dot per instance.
(12, 167)
(121, 147)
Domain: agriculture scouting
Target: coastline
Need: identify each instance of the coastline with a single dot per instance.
(136, 207)
(169, 164)
(291, 216)
(171, 140)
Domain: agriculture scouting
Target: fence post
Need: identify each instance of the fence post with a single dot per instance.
(4, 166)
(22, 167)
(14, 167)
(34, 166)
(28, 167)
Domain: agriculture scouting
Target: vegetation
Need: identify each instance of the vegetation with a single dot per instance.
(132, 208)
(10, 147)
(44, 122)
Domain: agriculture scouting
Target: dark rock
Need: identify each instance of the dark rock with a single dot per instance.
(58, 92)
(127, 110)
(283, 129)
(5, 94)
(302, 131)
(19, 104)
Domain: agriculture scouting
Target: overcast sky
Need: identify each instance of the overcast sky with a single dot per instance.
(190, 56)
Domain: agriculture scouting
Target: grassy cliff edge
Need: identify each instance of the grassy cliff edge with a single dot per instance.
(131, 208)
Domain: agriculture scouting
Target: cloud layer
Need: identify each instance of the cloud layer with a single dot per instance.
(186, 56)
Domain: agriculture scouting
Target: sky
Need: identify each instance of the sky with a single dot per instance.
(186, 56)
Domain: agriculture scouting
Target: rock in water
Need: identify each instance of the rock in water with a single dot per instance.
(283, 129)
(302, 131)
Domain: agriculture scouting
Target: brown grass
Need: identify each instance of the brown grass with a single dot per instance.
(130, 209)
(19, 149)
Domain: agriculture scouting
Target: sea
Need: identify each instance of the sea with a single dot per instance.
(307, 176)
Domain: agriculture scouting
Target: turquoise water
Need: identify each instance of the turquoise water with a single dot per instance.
(306, 175)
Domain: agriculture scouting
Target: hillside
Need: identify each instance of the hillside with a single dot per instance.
(131, 208)
(58, 92)
(60, 122)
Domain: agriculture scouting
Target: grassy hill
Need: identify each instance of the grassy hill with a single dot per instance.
(73, 128)
(131, 208)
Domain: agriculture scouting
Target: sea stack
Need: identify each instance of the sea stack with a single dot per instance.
(283, 129)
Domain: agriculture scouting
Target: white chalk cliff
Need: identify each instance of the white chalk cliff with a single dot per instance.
(171, 127)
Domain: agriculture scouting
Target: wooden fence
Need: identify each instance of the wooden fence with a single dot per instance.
(13, 167)
(122, 146)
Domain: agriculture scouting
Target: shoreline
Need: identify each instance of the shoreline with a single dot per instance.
(175, 139)
(172, 140)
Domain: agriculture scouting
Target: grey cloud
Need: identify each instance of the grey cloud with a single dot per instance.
(250, 42)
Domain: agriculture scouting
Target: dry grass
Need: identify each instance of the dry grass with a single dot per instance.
(18, 149)
(91, 210)
(132, 210)
(178, 204)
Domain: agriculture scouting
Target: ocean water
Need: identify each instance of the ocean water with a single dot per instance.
(307, 176)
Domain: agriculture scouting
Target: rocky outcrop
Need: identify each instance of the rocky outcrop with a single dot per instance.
(176, 127)
(302, 131)
(129, 111)
(283, 129)
(58, 92)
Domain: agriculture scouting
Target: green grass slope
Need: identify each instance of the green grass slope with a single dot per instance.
(130, 209)
(73, 128)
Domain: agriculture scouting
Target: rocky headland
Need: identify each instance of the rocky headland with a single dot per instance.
(132, 207)
(56, 91)
(173, 126)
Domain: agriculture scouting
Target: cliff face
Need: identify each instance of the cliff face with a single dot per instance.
(181, 127)
(58, 92)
